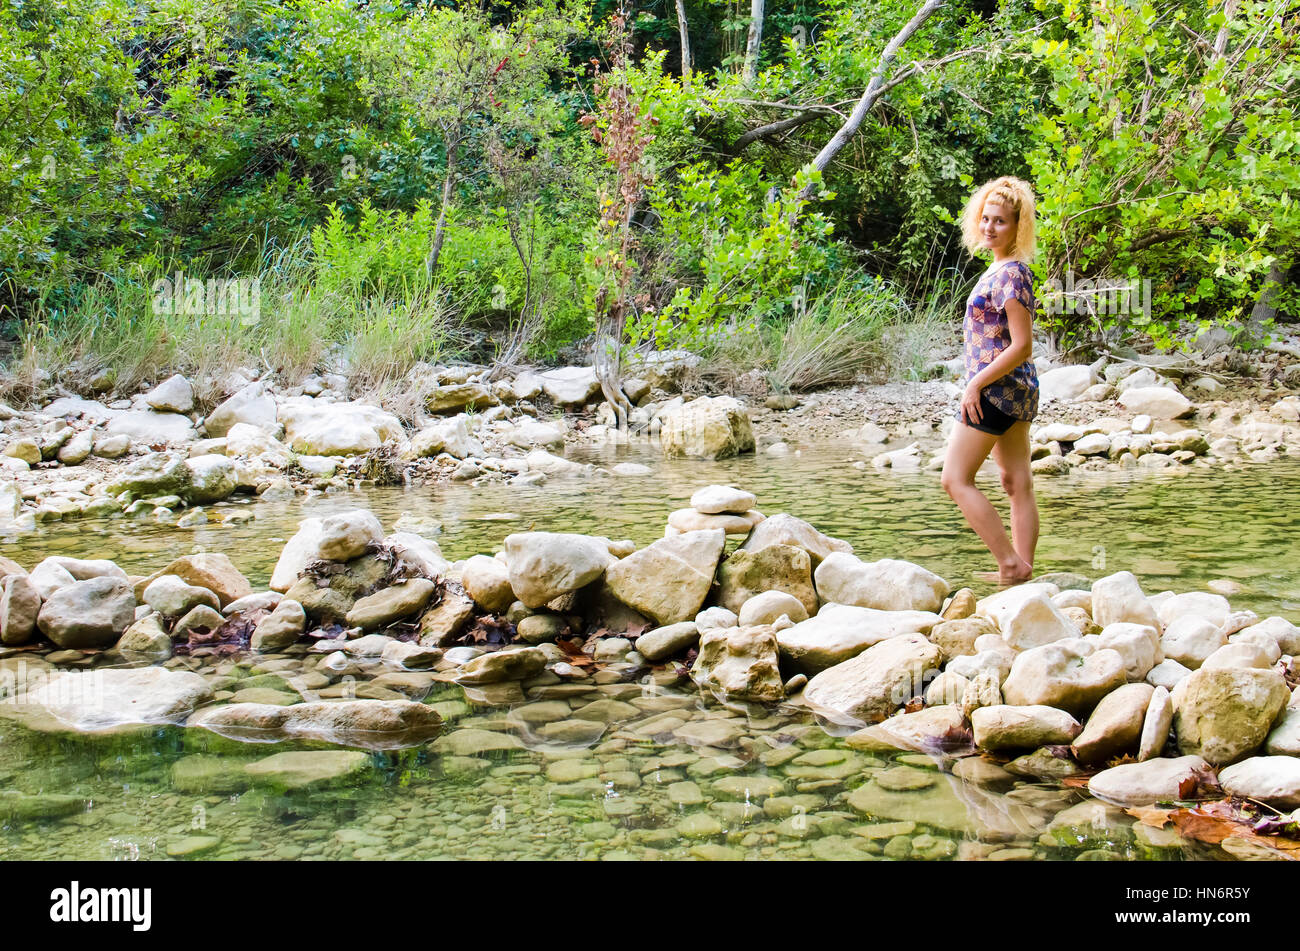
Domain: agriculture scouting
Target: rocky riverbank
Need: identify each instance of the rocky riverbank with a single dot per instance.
(733, 624)
(160, 455)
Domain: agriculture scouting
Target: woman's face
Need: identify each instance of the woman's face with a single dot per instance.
(997, 227)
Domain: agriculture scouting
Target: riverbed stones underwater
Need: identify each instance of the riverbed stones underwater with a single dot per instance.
(362, 729)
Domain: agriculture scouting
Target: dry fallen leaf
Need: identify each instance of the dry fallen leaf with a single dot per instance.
(1212, 822)
(1151, 815)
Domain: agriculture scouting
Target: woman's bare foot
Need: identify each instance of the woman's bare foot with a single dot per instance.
(1017, 572)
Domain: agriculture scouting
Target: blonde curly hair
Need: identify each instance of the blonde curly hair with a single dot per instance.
(1014, 193)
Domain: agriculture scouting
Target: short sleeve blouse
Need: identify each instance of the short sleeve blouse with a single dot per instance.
(988, 333)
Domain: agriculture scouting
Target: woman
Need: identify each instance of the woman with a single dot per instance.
(1001, 395)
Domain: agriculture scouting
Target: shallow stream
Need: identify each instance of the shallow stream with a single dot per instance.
(672, 775)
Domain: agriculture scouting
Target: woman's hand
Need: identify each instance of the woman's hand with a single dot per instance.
(971, 411)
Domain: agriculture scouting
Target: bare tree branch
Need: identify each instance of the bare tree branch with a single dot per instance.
(873, 90)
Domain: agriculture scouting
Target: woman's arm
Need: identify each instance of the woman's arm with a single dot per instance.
(1021, 348)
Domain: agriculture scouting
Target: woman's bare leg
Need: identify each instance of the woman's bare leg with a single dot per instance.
(1011, 453)
(967, 450)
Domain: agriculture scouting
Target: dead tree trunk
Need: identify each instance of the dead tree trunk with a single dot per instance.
(755, 39)
(440, 232)
(684, 30)
(873, 90)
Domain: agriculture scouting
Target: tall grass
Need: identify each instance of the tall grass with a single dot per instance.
(301, 323)
(852, 331)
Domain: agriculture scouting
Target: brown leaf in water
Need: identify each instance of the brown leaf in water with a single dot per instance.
(1151, 815)
(1202, 782)
(1212, 822)
(954, 739)
(489, 630)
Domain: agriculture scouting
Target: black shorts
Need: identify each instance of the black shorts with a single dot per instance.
(992, 419)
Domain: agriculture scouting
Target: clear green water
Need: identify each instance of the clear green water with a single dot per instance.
(621, 798)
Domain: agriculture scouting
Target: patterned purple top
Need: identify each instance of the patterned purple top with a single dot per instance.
(988, 334)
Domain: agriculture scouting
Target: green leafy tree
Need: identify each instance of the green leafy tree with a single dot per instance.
(1170, 153)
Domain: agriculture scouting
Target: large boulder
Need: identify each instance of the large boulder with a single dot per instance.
(1158, 402)
(1065, 675)
(706, 428)
(418, 553)
(336, 429)
(1211, 608)
(171, 596)
(1281, 630)
(107, 699)
(282, 627)
(146, 426)
(769, 607)
(570, 386)
(370, 724)
(146, 636)
(300, 551)
(212, 570)
(783, 529)
(459, 396)
(48, 576)
(77, 449)
(1138, 644)
(545, 565)
(158, 473)
(212, 478)
(1036, 621)
(1271, 779)
(869, 687)
(512, 664)
(1189, 640)
(487, 581)
(774, 568)
(722, 499)
(451, 436)
(173, 395)
(532, 434)
(935, 729)
(1004, 604)
(957, 637)
(347, 535)
(886, 585)
(1115, 726)
(1119, 597)
(87, 615)
(1155, 780)
(1066, 383)
(739, 663)
(252, 405)
(391, 604)
(664, 642)
(82, 569)
(839, 632)
(252, 442)
(1225, 713)
(310, 769)
(690, 520)
(20, 603)
(669, 579)
(1001, 727)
